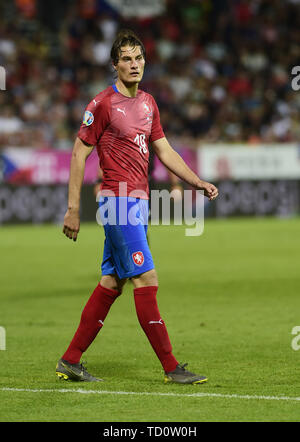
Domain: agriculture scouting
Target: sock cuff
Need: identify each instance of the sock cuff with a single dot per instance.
(148, 290)
(110, 292)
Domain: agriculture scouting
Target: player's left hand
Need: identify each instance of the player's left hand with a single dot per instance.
(210, 191)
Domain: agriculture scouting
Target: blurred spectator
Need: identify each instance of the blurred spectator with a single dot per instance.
(219, 69)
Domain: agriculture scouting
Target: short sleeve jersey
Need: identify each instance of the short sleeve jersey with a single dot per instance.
(121, 129)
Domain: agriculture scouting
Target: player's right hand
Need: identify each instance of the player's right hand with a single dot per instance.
(71, 224)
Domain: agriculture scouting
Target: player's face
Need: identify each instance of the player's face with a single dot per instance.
(130, 67)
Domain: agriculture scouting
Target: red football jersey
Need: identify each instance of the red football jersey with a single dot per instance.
(121, 128)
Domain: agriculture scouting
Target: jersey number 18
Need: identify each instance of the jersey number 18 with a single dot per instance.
(140, 141)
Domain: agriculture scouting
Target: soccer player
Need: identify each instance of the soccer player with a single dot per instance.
(121, 121)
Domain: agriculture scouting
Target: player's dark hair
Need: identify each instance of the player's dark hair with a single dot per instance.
(125, 37)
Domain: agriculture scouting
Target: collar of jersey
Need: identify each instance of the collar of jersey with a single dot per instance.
(117, 90)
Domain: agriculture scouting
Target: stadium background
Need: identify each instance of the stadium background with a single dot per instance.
(221, 72)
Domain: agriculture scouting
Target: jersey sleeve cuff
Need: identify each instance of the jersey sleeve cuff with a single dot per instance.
(86, 139)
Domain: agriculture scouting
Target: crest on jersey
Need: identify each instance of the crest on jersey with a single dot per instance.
(148, 111)
(138, 258)
(88, 118)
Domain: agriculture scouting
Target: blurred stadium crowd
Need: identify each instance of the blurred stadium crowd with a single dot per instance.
(220, 70)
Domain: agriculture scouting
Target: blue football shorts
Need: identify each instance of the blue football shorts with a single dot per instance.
(126, 251)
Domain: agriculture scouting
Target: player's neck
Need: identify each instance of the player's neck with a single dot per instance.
(127, 90)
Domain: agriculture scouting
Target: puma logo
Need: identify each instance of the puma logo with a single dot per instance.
(121, 110)
(156, 322)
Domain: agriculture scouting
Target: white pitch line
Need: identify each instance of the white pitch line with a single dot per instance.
(145, 393)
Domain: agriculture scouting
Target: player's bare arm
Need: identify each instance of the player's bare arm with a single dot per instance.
(80, 153)
(173, 161)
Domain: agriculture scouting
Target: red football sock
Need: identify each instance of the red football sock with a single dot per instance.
(153, 326)
(91, 322)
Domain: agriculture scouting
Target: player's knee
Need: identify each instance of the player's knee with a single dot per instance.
(113, 283)
(146, 279)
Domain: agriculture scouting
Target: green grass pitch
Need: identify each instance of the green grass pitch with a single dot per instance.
(230, 299)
